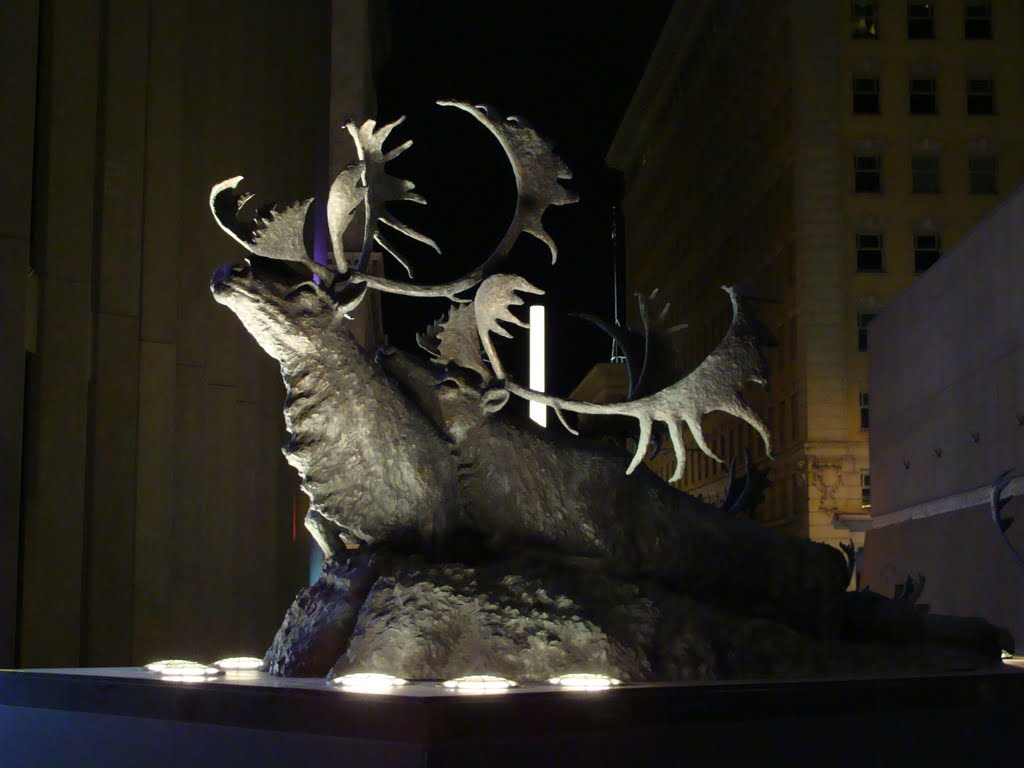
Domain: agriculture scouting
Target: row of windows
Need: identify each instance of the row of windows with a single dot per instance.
(870, 248)
(977, 20)
(925, 178)
(923, 95)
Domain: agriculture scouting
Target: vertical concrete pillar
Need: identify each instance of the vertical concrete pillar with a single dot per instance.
(19, 36)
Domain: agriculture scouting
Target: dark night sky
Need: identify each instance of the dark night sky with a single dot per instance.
(570, 68)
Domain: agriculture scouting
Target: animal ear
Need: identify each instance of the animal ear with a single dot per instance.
(494, 399)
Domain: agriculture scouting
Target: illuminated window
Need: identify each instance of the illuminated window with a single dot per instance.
(927, 250)
(866, 100)
(920, 21)
(865, 411)
(865, 490)
(977, 19)
(922, 96)
(864, 19)
(869, 252)
(863, 321)
(980, 96)
(982, 174)
(924, 170)
(867, 173)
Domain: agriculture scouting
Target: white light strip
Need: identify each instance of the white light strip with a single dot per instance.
(538, 412)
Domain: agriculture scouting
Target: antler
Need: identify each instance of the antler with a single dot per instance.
(278, 234)
(382, 188)
(273, 234)
(653, 326)
(455, 340)
(713, 386)
(537, 172)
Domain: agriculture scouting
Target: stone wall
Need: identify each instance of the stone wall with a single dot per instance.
(155, 509)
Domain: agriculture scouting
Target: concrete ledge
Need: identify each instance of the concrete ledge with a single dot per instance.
(964, 500)
(126, 717)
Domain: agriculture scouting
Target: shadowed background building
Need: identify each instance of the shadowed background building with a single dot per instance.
(824, 154)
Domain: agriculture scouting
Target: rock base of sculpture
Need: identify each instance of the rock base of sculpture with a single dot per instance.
(530, 620)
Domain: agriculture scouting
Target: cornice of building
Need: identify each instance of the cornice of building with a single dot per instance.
(677, 36)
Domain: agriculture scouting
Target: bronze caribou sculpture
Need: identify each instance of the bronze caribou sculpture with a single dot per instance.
(528, 551)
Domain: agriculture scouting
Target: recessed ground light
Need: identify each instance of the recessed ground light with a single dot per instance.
(480, 684)
(584, 682)
(368, 682)
(182, 668)
(236, 663)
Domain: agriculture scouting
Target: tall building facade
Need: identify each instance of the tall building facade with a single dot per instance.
(822, 154)
(145, 509)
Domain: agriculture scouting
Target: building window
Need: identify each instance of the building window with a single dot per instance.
(863, 321)
(920, 21)
(869, 252)
(977, 19)
(980, 96)
(927, 250)
(864, 19)
(867, 173)
(865, 411)
(922, 96)
(866, 99)
(865, 490)
(982, 174)
(924, 170)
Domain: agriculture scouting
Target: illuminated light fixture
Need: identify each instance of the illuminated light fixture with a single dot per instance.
(585, 682)
(538, 412)
(368, 682)
(174, 669)
(480, 684)
(1007, 655)
(239, 663)
(159, 666)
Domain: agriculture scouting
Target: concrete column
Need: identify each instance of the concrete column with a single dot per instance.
(19, 36)
(66, 214)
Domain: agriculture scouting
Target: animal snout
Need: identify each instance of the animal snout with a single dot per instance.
(223, 274)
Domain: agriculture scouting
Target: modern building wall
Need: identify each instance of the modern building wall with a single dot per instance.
(947, 382)
(19, 21)
(155, 513)
(739, 153)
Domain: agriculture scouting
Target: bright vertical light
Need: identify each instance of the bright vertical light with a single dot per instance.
(538, 412)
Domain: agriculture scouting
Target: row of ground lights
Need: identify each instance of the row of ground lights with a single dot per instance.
(192, 671)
